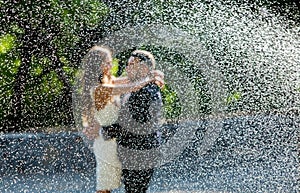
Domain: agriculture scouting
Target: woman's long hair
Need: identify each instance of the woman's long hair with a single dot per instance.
(93, 77)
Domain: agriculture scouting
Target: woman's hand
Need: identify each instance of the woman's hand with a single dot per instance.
(159, 81)
(158, 73)
(92, 131)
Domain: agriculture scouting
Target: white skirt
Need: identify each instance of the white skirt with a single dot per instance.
(108, 166)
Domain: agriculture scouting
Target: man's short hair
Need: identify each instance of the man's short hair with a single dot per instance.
(145, 57)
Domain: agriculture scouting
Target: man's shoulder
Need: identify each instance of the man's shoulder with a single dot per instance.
(152, 89)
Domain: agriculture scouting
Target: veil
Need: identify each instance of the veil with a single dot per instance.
(86, 79)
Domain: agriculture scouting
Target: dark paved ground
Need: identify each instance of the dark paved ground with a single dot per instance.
(252, 154)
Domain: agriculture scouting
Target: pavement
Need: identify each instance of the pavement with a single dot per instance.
(252, 154)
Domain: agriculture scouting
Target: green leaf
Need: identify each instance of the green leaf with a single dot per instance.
(115, 67)
(7, 42)
(234, 97)
(172, 106)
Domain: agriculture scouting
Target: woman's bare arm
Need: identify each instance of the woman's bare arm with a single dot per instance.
(124, 80)
(123, 85)
(121, 80)
(118, 89)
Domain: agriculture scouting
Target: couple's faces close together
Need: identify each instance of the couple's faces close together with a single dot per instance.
(135, 69)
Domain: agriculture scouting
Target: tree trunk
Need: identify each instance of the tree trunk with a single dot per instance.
(28, 48)
(18, 98)
(65, 102)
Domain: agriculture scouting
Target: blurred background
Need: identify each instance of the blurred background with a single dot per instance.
(254, 42)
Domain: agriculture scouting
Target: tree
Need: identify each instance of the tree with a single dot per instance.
(48, 38)
(42, 42)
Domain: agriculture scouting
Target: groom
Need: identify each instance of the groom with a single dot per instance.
(138, 124)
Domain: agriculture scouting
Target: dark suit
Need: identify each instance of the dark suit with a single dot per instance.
(137, 130)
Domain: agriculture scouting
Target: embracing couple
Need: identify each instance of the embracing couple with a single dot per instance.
(120, 114)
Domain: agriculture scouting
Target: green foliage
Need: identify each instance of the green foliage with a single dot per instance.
(234, 97)
(73, 16)
(233, 100)
(49, 31)
(115, 67)
(202, 95)
(172, 106)
(9, 64)
(50, 87)
(7, 42)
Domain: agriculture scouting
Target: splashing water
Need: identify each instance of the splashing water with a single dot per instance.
(183, 43)
(252, 56)
(248, 59)
(257, 53)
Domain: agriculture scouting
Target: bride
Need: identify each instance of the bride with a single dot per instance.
(101, 107)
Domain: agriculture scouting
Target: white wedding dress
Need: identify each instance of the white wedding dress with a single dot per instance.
(108, 169)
